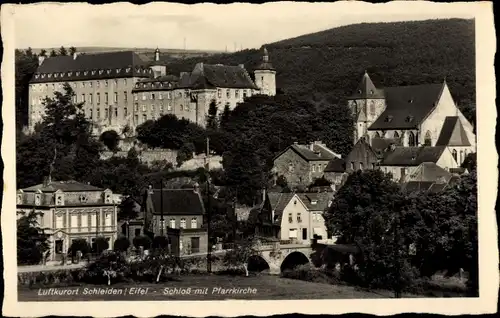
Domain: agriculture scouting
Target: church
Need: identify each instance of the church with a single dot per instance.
(422, 115)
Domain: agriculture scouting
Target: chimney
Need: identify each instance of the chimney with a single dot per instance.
(295, 143)
(311, 146)
(75, 55)
(47, 181)
(40, 60)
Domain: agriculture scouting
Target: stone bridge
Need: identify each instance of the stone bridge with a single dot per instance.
(278, 257)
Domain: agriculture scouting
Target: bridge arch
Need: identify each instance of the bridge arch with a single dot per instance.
(293, 260)
(257, 263)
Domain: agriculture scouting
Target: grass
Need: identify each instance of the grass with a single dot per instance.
(267, 287)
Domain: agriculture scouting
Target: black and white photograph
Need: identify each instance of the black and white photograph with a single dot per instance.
(302, 152)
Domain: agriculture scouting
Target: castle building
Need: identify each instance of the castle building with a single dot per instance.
(411, 116)
(189, 96)
(69, 210)
(120, 89)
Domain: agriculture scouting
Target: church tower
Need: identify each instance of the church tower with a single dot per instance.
(265, 76)
(366, 105)
(159, 69)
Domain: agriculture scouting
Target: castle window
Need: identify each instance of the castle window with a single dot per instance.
(454, 154)
(219, 93)
(183, 223)
(228, 93)
(98, 98)
(412, 142)
(143, 108)
(125, 97)
(428, 140)
(169, 106)
(116, 97)
(396, 135)
(136, 107)
(90, 98)
(194, 223)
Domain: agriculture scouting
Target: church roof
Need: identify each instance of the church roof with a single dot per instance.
(366, 89)
(119, 64)
(66, 186)
(335, 165)
(412, 156)
(380, 145)
(429, 171)
(407, 106)
(452, 133)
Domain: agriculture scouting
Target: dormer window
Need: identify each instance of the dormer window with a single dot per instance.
(43, 75)
(49, 75)
(100, 72)
(410, 100)
(38, 199)
(83, 198)
(77, 73)
(93, 72)
(128, 69)
(55, 75)
(86, 73)
(36, 75)
(70, 73)
(388, 118)
(109, 71)
(409, 119)
(359, 92)
(19, 198)
(314, 202)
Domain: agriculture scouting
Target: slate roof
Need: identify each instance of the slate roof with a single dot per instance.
(319, 152)
(407, 106)
(380, 145)
(412, 156)
(335, 165)
(112, 65)
(452, 133)
(322, 199)
(66, 186)
(162, 83)
(429, 171)
(366, 89)
(362, 151)
(278, 203)
(177, 202)
(213, 76)
(265, 64)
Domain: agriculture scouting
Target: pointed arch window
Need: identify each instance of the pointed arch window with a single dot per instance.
(428, 139)
(377, 134)
(454, 154)
(412, 142)
(396, 135)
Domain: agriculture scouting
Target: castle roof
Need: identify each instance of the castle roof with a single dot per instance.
(452, 133)
(265, 64)
(91, 66)
(407, 106)
(319, 152)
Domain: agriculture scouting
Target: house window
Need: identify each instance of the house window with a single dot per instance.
(116, 82)
(183, 223)
(396, 135)
(373, 166)
(136, 107)
(106, 83)
(144, 118)
(169, 96)
(125, 97)
(428, 139)
(125, 81)
(169, 106)
(290, 167)
(290, 218)
(454, 153)
(313, 168)
(90, 113)
(462, 157)
(136, 117)
(84, 220)
(106, 100)
(107, 219)
(182, 108)
(299, 218)
(161, 108)
(352, 165)
(228, 93)
(152, 96)
(143, 96)
(98, 98)
(245, 93)
(106, 113)
(137, 232)
(116, 112)
(59, 221)
(115, 99)
(194, 223)
(412, 142)
(237, 93)
(172, 223)
(83, 98)
(125, 112)
(186, 108)
(143, 108)
(97, 84)
(160, 96)
(98, 113)
(152, 108)
(372, 108)
(136, 97)
(360, 166)
(219, 93)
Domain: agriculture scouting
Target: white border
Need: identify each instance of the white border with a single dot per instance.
(487, 174)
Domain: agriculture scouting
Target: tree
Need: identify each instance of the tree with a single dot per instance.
(32, 242)
(26, 65)
(470, 162)
(72, 50)
(160, 242)
(239, 255)
(224, 116)
(110, 139)
(212, 122)
(100, 244)
(127, 210)
(79, 245)
(143, 241)
(53, 53)
(121, 244)
(43, 52)
(185, 153)
(63, 51)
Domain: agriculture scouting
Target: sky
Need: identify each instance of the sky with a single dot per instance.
(203, 26)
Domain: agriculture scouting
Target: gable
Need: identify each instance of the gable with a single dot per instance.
(362, 151)
(453, 133)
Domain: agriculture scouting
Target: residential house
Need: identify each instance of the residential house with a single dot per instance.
(317, 204)
(429, 177)
(403, 161)
(417, 115)
(178, 214)
(70, 210)
(300, 165)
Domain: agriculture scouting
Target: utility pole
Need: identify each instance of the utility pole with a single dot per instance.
(209, 247)
(161, 206)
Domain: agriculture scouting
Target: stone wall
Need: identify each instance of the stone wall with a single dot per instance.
(293, 167)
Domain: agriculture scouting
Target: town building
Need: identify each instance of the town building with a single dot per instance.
(119, 89)
(189, 96)
(300, 164)
(69, 210)
(416, 115)
(293, 217)
(429, 177)
(178, 214)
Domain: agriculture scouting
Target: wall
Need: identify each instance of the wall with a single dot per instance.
(266, 81)
(316, 170)
(361, 154)
(299, 175)
(294, 207)
(461, 152)
(434, 122)
(177, 218)
(446, 161)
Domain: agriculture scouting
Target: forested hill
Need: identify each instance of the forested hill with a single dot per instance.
(330, 64)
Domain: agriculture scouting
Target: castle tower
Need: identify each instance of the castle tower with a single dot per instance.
(265, 76)
(159, 69)
(366, 105)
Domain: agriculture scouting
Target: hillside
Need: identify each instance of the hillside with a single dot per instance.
(329, 64)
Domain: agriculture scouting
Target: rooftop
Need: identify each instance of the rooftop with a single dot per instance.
(412, 156)
(66, 186)
(176, 201)
(453, 133)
